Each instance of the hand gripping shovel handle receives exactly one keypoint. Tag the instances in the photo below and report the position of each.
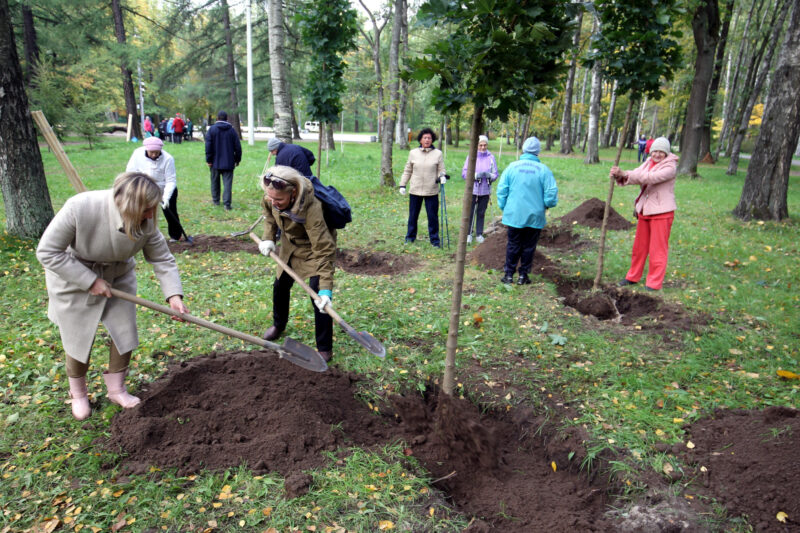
(362, 337)
(293, 351)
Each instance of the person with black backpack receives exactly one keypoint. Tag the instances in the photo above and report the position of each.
(307, 245)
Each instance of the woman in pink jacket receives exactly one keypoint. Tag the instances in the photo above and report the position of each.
(654, 210)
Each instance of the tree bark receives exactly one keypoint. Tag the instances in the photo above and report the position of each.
(22, 180)
(610, 119)
(127, 81)
(402, 121)
(230, 68)
(764, 195)
(566, 117)
(281, 102)
(295, 125)
(576, 135)
(31, 45)
(764, 59)
(448, 381)
(375, 44)
(705, 27)
(711, 100)
(387, 174)
(592, 152)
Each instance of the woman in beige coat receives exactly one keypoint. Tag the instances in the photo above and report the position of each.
(87, 249)
(423, 173)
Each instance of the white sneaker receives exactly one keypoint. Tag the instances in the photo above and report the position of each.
(469, 238)
(479, 238)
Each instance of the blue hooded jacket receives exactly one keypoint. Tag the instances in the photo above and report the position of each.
(527, 188)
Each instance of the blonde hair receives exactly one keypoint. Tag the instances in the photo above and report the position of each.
(135, 193)
(288, 174)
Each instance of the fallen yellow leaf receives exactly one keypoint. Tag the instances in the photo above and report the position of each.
(384, 525)
(677, 420)
(667, 468)
(690, 445)
(782, 517)
(788, 375)
(553, 466)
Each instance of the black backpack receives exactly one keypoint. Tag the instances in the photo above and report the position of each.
(335, 208)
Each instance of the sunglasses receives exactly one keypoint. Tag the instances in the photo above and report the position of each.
(276, 182)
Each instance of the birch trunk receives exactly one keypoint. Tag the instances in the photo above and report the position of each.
(566, 117)
(610, 119)
(281, 102)
(387, 175)
(592, 151)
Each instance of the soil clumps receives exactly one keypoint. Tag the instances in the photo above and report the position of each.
(222, 410)
(352, 261)
(590, 213)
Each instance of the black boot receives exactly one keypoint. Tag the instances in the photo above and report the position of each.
(272, 333)
(508, 279)
(523, 280)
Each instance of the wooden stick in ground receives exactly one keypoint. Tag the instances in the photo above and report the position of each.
(603, 228)
(58, 150)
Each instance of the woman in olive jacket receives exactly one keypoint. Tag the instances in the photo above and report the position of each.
(87, 249)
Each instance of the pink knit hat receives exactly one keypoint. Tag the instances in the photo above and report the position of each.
(153, 143)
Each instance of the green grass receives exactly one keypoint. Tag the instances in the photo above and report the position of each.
(630, 389)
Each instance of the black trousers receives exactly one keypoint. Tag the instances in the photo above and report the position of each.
(432, 210)
(227, 182)
(479, 202)
(521, 247)
(174, 227)
(323, 323)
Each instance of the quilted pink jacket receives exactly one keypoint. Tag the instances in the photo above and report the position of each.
(658, 186)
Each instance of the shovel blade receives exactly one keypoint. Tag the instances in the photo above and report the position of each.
(302, 355)
(369, 342)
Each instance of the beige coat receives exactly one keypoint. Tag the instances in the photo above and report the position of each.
(307, 245)
(658, 186)
(423, 168)
(84, 241)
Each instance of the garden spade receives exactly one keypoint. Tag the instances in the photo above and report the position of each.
(362, 337)
(248, 230)
(291, 350)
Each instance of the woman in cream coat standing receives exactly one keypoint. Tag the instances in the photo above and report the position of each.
(423, 173)
(87, 249)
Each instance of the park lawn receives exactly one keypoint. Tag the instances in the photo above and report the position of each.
(630, 389)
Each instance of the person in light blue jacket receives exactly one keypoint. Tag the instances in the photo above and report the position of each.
(527, 189)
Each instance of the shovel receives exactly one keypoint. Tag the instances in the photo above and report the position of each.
(362, 337)
(248, 230)
(291, 350)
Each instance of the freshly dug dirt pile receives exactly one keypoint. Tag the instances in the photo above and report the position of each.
(222, 410)
(750, 462)
(560, 237)
(611, 303)
(590, 213)
(353, 261)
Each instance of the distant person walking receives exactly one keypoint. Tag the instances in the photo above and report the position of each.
(223, 154)
(642, 142)
(177, 127)
(171, 129)
(526, 190)
(423, 173)
(88, 249)
(485, 174)
(298, 157)
(153, 160)
(654, 209)
(148, 127)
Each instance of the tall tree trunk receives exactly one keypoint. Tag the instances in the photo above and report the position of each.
(566, 117)
(387, 175)
(355, 120)
(127, 81)
(448, 380)
(448, 131)
(402, 121)
(329, 142)
(610, 120)
(457, 128)
(592, 152)
(375, 44)
(230, 68)
(705, 28)
(576, 135)
(281, 102)
(711, 101)
(764, 59)
(764, 195)
(22, 180)
(31, 45)
(295, 125)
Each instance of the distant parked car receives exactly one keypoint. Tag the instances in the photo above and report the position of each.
(311, 126)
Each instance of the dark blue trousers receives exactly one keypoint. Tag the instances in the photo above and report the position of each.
(521, 247)
(431, 208)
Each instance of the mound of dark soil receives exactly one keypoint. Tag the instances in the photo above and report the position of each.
(561, 237)
(223, 410)
(611, 303)
(750, 462)
(353, 261)
(590, 213)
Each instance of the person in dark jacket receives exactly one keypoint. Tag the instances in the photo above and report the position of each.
(292, 155)
(223, 154)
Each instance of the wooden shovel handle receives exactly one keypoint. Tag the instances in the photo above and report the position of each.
(193, 319)
(301, 282)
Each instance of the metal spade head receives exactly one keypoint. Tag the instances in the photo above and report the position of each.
(370, 343)
(302, 355)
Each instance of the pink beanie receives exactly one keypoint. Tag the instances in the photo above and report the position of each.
(153, 144)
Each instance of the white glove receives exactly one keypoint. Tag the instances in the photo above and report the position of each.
(322, 302)
(164, 204)
(265, 247)
(402, 190)
(442, 179)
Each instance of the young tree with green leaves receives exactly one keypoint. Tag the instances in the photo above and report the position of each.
(501, 55)
(329, 29)
(637, 47)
